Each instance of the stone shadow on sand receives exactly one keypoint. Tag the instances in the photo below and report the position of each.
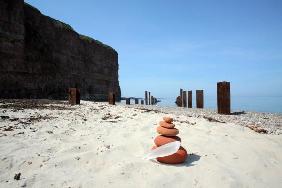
(190, 160)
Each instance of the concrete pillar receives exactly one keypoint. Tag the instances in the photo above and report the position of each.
(146, 97)
(200, 98)
(181, 97)
(184, 99)
(136, 101)
(112, 98)
(128, 101)
(223, 98)
(189, 99)
(74, 96)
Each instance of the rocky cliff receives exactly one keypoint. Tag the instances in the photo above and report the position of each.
(41, 57)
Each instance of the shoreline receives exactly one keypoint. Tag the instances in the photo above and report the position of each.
(264, 122)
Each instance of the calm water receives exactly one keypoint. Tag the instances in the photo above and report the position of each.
(257, 104)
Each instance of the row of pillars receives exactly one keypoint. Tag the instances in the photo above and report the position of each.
(74, 97)
(223, 98)
(186, 98)
(150, 100)
(136, 101)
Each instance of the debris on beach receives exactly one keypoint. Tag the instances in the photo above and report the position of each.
(270, 122)
(10, 128)
(110, 118)
(17, 176)
(257, 129)
(4, 117)
(21, 104)
(186, 122)
(210, 119)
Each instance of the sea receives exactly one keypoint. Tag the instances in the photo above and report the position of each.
(238, 103)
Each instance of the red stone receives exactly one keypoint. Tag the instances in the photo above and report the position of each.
(167, 132)
(166, 125)
(161, 140)
(176, 158)
(168, 119)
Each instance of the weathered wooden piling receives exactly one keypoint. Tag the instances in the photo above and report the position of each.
(152, 100)
(136, 101)
(181, 97)
(189, 99)
(223, 97)
(74, 96)
(149, 98)
(127, 101)
(184, 99)
(200, 98)
(146, 97)
(142, 102)
(112, 98)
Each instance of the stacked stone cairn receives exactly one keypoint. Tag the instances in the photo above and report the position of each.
(168, 133)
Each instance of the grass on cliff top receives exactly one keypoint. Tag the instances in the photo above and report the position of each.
(62, 25)
(57, 23)
(65, 26)
(90, 40)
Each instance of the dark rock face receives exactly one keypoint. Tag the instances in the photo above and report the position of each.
(41, 57)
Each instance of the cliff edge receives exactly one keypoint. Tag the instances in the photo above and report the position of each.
(41, 57)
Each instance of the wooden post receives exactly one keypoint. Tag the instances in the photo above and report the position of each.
(181, 97)
(136, 101)
(189, 99)
(74, 96)
(200, 98)
(149, 98)
(146, 97)
(152, 100)
(184, 98)
(112, 98)
(223, 97)
(142, 102)
(128, 101)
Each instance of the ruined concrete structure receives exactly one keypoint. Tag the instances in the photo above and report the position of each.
(41, 57)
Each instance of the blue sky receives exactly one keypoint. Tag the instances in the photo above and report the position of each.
(167, 44)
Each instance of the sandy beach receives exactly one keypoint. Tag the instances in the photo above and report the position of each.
(98, 145)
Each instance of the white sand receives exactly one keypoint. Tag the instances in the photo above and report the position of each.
(77, 148)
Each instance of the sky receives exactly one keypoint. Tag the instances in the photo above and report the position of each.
(164, 45)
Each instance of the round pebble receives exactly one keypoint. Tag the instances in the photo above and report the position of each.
(167, 132)
(166, 125)
(179, 157)
(161, 140)
(168, 119)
